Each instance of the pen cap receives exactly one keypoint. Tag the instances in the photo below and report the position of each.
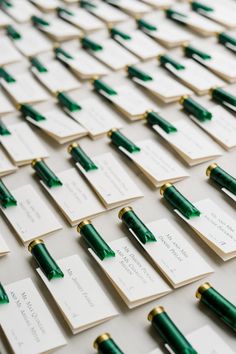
(39, 21)
(225, 38)
(4, 299)
(6, 76)
(87, 4)
(45, 173)
(145, 25)
(220, 95)
(154, 118)
(29, 111)
(166, 59)
(36, 63)
(88, 43)
(115, 32)
(192, 107)
(100, 85)
(221, 177)
(13, 33)
(169, 333)
(6, 198)
(223, 308)
(139, 74)
(45, 261)
(3, 129)
(132, 221)
(178, 201)
(176, 16)
(200, 7)
(191, 52)
(67, 102)
(94, 240)
(81, 157)
(118, 139)
(61, 52)
(104, 344)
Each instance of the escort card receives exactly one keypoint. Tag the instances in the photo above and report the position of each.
(9, 54)
(222, 127)
(164, 87)
(140, 45)
(156, 163)
(30, 218)
(57, 78)
(6, 167)
(83, 19)
(215, 227)
(59, 30)
(78, 295)
(33, 329)
(84, 65)
(190, 143)
(230, 194)
(114, 56)
(45, 5)
(32, 42)
(195, 76)
(110, 181)
(97, 117)
(25, 89)
(21, 150)
(59, 126)
(108, 13)
(75, 198)
(173, 255)
(160, 4)
(4, 249)
(133, 277)
(21, 11)
(4, 20)
(5, 105)
(224, 14)
(132, 7)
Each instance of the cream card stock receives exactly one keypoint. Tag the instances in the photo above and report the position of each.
(59, 30)
(9, 54)
(159, 4)
(110, 181)
(21, 11)
(5, 105)
(83, 19)
(132, 7)
(6, 167)
(4, 20)
(21, 150)
(80, 298)
(133, 277)
(108, 13)
(45, 5)
(221, 13)
(190, 143)
(4, 249)
(156, 163)
(215, 227)
(31, 218)
(75, 198)
(27, 322)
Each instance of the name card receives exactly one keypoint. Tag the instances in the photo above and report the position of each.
(131, 274)
(133, 7)
(83, 19)
(33, 329)
(21, 11)
(6, 167)
(78, 295)
(8, 52)
(4, 20)
(46, 6)
(59, 30)
(5, 104)
(108, 13)
(4, 249)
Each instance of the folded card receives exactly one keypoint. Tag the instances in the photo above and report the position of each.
(33, 329)
(78, 295)
(4, 20)
(45, 5)
(59, 30)
(9, 54)
(133, 277)
(6, 167)
(30, 217)
(21, 11)
(107, 13)
(159, 4)
(4, 249)
(5, 105)
(132, 7)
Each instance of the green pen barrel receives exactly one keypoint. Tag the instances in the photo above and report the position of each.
(104, 344)
(221, 177)
(81, 157)
(119, 139)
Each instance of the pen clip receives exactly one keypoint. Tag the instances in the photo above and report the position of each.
(192, 107)
(60, 53)
(135, 225)
(178, 201)
(94, 240)
(100, 85)
(201, 8)
(6, 198)
(45, 261)
(115, 32)
(79, 155)
(223, 97)
(29, 111)
(36, 63)
(12, 33)
(89, 44)
(134, 72)
(194, 53)
(67, 103)
(177, 16)
(145, 25)
(45, 173)
(153, 118)
(227, 40)
(62, 10)
(4, 299)
(6, 76)
(119, 140)
(166, 60)
(3, 129)
(39, 21)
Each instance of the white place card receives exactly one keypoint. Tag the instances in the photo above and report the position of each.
(59, 126)
(156, 163)
(140, 45)
(9, 54)
(4, 249)
(230, 194)
(108, 13)
(21, 11)
(114, 56)
(4, 20)
(78, 295)
(5, 105)
(190, 143)
(222, 127)
(21, 150)
(59, 30)
(32, 42)
(83, 19)
(164, 87)
(31, 218)
(45, 5)
(197, 78)
(33, 329)
(133, 7)
(215, 227)
(84, 65)
(160, 4)
(173, 255)
(97, 117)
(223, 14)
(133, 277)
(110, 181)
(57, 78)
(25, 89)
(6, 167)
